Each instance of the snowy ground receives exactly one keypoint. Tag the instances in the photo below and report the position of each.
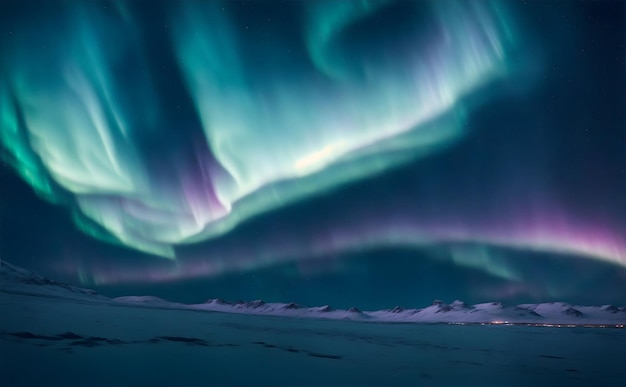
(55, 334)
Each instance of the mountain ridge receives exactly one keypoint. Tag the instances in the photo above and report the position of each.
(14, 279)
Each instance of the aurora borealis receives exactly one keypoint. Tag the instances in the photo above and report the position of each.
(237, 138)
(272, 136)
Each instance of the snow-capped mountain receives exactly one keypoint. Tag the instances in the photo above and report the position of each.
(17, 280)
(280, 309)
(438, 312)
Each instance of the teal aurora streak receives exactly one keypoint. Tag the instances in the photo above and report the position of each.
(79, 104)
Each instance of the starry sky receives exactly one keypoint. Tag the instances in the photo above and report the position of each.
(368, 153)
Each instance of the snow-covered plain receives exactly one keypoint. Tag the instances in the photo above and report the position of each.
(57, 334)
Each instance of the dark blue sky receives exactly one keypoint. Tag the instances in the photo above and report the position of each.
(526, 204)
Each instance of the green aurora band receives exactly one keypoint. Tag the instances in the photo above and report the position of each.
(284, 117)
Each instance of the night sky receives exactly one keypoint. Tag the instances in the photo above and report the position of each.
(366, 153)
